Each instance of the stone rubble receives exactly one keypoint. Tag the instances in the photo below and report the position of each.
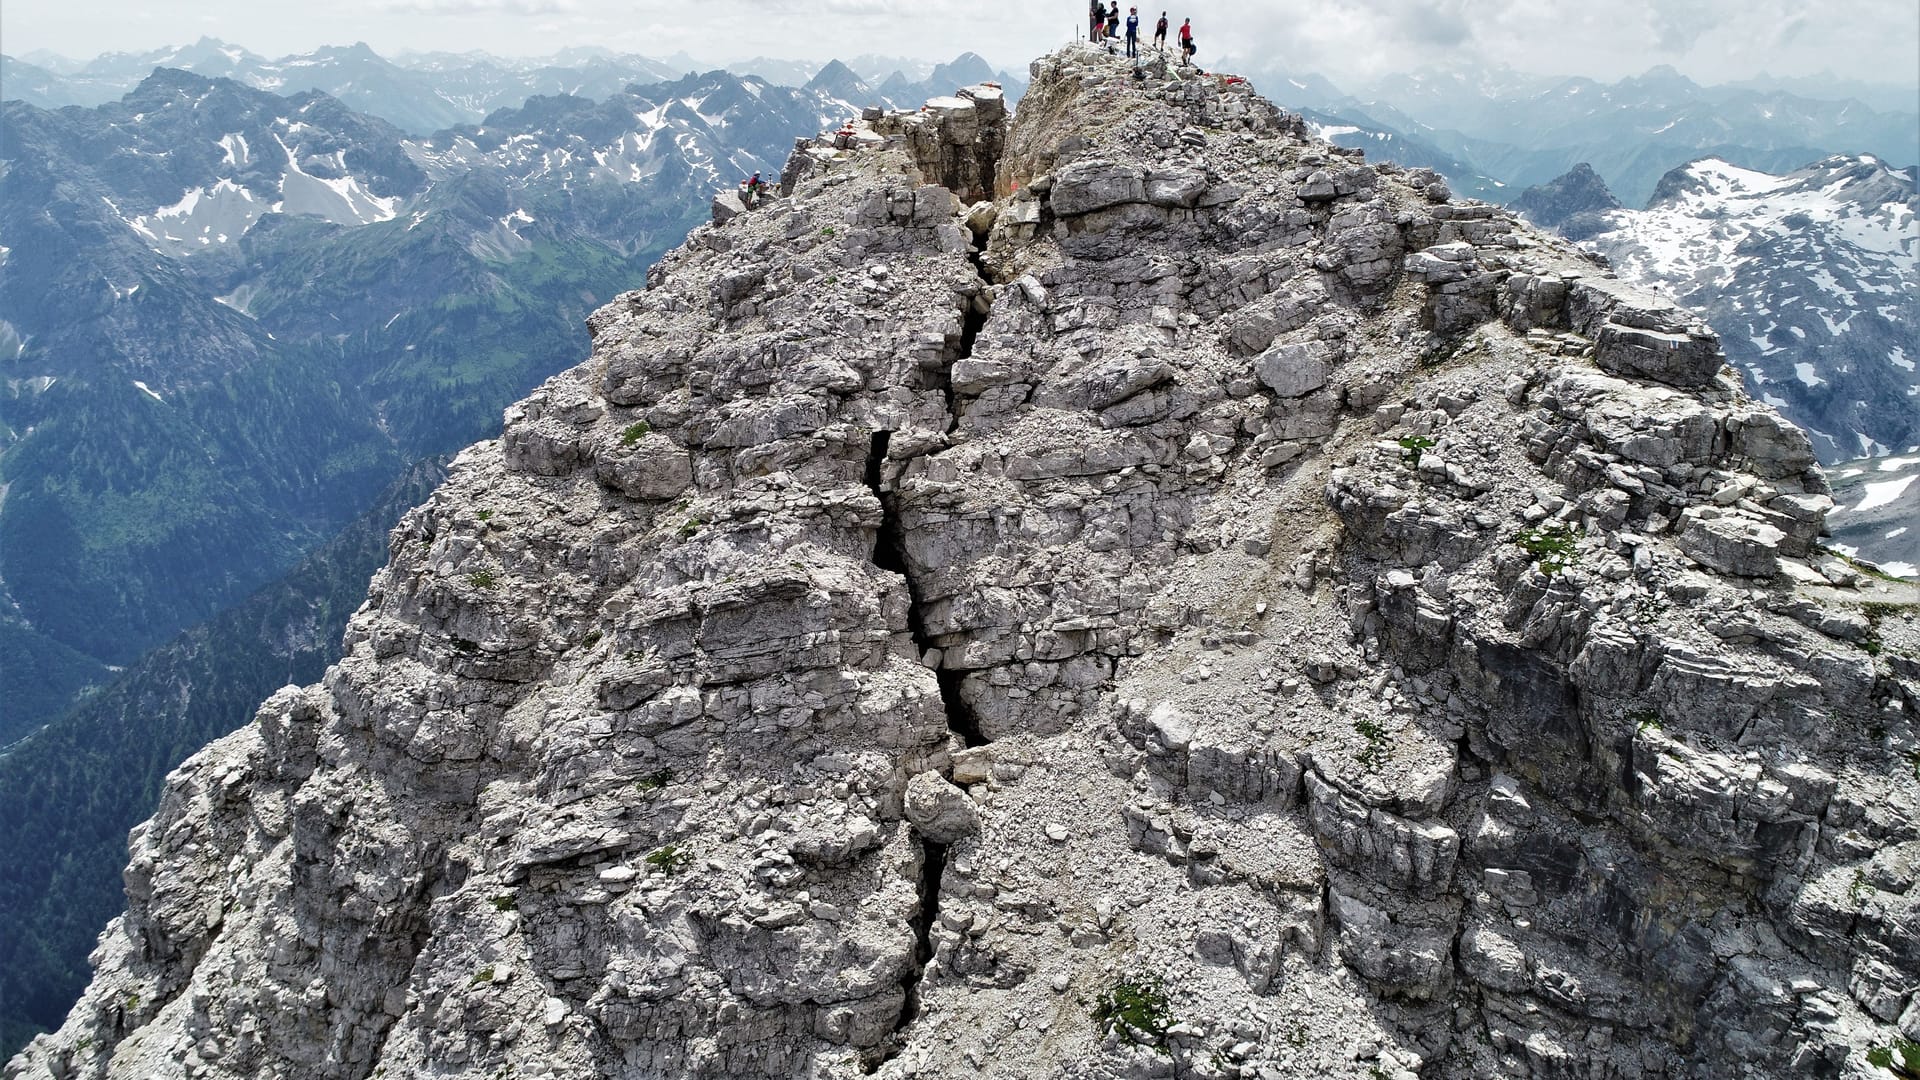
(1130, 540)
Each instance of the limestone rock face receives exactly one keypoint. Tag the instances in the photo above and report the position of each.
(1130, 540)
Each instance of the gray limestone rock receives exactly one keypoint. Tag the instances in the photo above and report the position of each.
(1732, 543)
(942, 812)
(1086, 186)
(1295, 370)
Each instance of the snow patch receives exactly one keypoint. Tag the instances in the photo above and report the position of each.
(12, 344)
(238, 154)
(202, 216)
(148, 390)
(342, 201)
(1883, 493)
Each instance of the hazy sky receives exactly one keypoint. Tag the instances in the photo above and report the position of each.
(1710, 40)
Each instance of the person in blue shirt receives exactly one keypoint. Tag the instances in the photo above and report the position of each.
(1133, 31)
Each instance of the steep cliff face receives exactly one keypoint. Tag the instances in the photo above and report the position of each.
(1207, 608)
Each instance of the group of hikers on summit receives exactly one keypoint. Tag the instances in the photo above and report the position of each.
(1103, 25)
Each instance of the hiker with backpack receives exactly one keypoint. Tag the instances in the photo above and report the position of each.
(1160, 34)
(1133, 32)
(1186, 41)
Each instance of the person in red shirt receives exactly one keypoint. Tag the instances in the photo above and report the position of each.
(1186, 40)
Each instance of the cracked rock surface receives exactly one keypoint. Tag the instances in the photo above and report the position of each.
(1132, 545)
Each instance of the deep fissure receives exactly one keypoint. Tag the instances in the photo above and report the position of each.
(890, 553)
(972, 320)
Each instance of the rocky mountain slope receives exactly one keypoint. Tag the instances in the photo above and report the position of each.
(1808, 277)
(70, 793)
(1130, 590)
(1575, 205)
(230, 318)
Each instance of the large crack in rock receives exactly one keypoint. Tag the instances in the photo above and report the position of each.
(1132, 544)
(890, 553)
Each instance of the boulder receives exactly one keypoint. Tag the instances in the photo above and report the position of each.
(726, 206)
(940, 811)
(1731, 542)
(1296, 370)
(1086, 186)
(1678, 358)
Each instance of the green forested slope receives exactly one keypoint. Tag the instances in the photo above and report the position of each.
(74, 789)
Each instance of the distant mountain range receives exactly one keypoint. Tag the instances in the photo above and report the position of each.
(1809, 277)
(419, 95)
(1520, 130)
(899, 91)
(422, 93)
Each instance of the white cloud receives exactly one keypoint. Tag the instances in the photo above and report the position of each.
(485, 7)
(1710, 40)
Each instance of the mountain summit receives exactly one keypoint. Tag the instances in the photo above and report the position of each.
(1124, 590)
(1572, 205)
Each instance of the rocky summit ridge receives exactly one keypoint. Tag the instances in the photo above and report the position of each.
(1123, 590)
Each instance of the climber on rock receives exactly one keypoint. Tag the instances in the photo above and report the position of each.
(755, 189)
(1160, 34)
(1186, 41)
(1096, 20)
(1133, 32)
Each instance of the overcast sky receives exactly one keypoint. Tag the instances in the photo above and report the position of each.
(1710, 40)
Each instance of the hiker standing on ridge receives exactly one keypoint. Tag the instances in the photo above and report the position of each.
(1113, 21)
(1186, 41)
(1096, 18)
(1133, 32)
(1160, 34)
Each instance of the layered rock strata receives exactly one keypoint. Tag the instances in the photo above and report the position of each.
(1204, 565)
